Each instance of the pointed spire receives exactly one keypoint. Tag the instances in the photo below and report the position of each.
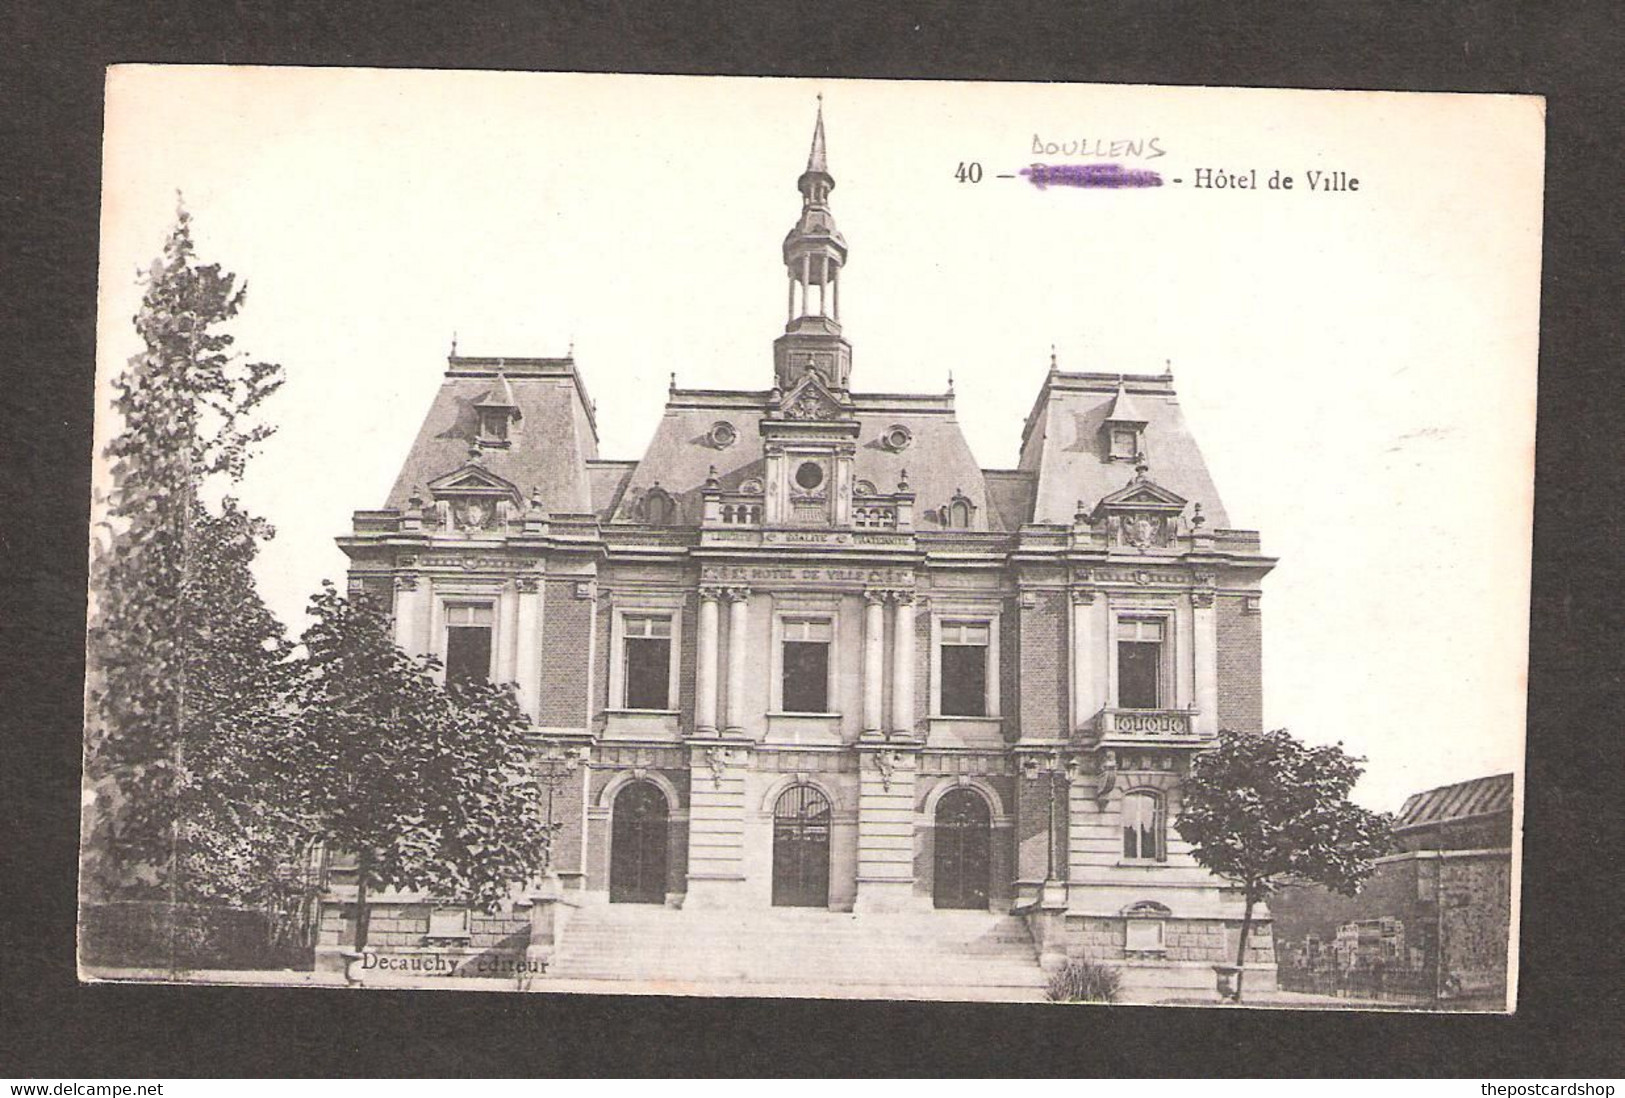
(816, 182)
(815, 157)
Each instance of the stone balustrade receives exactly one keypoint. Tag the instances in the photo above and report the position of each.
(1145, 727)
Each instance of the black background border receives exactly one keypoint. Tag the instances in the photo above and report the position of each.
(1569, 1021)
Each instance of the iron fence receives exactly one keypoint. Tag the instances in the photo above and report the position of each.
(1376, 982)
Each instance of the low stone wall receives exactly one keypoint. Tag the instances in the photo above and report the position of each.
(1212, 941)
(1184, 966)
(398, 942)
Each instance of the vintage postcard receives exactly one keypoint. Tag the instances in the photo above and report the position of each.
(819, 538)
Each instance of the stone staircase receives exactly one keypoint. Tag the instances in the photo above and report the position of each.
(803, 952)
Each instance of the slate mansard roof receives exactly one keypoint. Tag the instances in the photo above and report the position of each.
(936, 457)
(553, 447)
(1064, 445)
(550, 446)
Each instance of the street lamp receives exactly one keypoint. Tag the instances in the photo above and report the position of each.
(556, 764)
(1057, 764)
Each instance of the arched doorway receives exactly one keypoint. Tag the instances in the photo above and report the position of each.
(962, 862)
(801, 819)
(638, 845)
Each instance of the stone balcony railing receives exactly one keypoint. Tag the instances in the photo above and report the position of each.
(1145, 728)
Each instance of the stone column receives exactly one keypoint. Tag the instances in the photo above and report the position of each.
(1205, 649)
(705, 687)
(408, 608)
(1083, 656)
(507, 635)
(874, 662)
(902, 713)
(529, 626)
(738, 608)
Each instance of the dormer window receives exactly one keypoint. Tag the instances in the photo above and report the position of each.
(958, 512)
(1124, 427)
(1125, 442)
(659, 509)
(493, 425)
(497, 412)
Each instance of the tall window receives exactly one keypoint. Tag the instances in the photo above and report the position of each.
(806, 665)
(1139, 664)
(646, 647)
(964, 668)
(1143, 828)
(468, 642)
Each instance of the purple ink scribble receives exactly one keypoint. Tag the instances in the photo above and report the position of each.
(1111, 176)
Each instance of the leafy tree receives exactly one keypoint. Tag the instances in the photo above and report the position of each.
(181, 650)
(237, 827)
(432, 789)
(1264, 807)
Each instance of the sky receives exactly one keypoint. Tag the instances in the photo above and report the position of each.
(1358, 366)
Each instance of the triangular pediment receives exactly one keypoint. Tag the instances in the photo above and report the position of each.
(812, 400)
(473, 480)
(1142, 494)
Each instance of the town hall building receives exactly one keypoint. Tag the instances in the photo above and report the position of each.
(805, 652)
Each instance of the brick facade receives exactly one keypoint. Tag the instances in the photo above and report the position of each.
(1042, 692)
(566, 639)
(1241, 665)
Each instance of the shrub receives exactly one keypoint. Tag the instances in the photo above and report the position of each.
(140, 934)
(1084, 982)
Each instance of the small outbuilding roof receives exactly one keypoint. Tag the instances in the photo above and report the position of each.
(1478, 797)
